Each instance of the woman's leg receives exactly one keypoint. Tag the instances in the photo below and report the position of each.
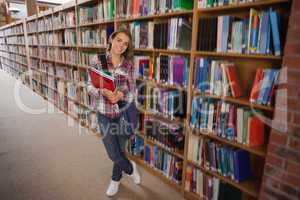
(110, 130)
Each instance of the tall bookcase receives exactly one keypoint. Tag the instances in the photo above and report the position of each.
(57, 45)
(13, 50)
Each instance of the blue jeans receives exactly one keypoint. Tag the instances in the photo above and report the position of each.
(114, 142)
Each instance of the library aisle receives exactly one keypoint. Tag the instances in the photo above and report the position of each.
(39, 163)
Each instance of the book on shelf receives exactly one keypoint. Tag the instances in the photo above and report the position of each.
(228, 121)
(169, 135)
(145, 8)
(263, 86)
(227, 161)
(136, 146)
(216, 77)
(171, 166)
(172, 34)
(209, 187)
(169, 103)
(96, 13)
(257, 33)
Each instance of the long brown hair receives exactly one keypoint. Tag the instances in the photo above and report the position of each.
(128, 54)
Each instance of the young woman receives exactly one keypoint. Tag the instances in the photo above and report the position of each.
(119, 63)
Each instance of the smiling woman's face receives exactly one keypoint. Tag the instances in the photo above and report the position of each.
(119, 43)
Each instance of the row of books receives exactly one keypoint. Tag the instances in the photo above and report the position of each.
(172, 70)
(45, 52)
(15, 71)
(257, 34)
(13, 30)
(228, 121)
(16, 49)
(34, 63)
(264, 85)
(66, 55)
(70, 37)
(172, 34)
(216, 3)
(32, 40)
(47, 67)
(232, 163)
(104, 10)
(216, 77)
(93, 37)
(208, 187)
(86, 58)
(33, 51)
(136, 8)
(78, 94)
(15, 40)
(171, 166)
(15, 57)
(142, 34)
(136, 146)
(66, 19)
(13, 67)
(141, 94)
(31, 26)
(171, 136)
(44, 24)
(170, 103)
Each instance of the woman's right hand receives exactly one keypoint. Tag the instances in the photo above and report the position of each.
(113, 97)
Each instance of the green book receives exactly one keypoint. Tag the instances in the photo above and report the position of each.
(247, 114)
(186, 4)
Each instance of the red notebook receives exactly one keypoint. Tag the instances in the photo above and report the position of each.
(101, 80)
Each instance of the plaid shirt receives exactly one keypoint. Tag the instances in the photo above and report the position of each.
(124, 83)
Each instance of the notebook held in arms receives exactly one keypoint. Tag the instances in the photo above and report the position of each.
(100, 76)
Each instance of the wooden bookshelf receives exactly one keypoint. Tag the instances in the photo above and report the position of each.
(242, 6)
(250, 189)
(241, 101)
(237, 55)
(155, 172)
(177, 153)
(259, 151)
(156, 16)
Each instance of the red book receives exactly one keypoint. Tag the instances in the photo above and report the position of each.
(256, 85)
(101, 80)
(256, 131)
(233, 81)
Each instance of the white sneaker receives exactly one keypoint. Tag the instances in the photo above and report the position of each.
(135, 174)
(112, 188)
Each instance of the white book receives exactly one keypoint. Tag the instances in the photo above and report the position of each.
(239, 124)
(225, 88)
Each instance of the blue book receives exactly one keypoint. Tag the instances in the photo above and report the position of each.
(203, 74)
(245, 35)
(274, 83)
(186, 72)
(272, 77)
(197, 74)
(275, 32)
(231, 163)
(154, 154)
(109, 31)
(194, 112)
(225, 33)
(147, 154)
(242, 169)
(264, 84)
